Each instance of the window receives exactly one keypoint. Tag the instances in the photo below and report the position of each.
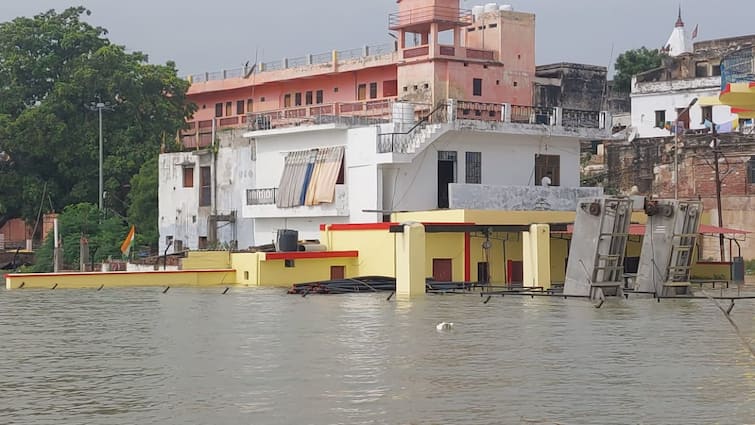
(474, 168)
(362, 92)
(240, 107)
(373, 90)
(203, 243)
(477, 87)
(249, 104)
(218, 110)
(341, 179)
(660, 119)
(205, 190)
(188, 176)
(707, 114)
(751, 170)
(701, 69)
(319, 97)
(716, 70)
(228, 109)
(262, 99)
(547, 166)
(308, 98)
(287, 100)
(297, 99)
(390, 88)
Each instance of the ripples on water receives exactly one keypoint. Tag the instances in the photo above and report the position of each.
(258, 356)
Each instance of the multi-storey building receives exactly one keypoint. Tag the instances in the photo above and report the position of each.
(661, 97)
(425, 122)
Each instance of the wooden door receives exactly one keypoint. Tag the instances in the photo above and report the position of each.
(337, 272)
(442, 270)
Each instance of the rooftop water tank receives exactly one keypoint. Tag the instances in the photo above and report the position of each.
(403, 113)
(287, 240)
(477, 11)
(507, 7)
(491, 7)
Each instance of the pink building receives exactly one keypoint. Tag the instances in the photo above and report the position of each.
(484, 56)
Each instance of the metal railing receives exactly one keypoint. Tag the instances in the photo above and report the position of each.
(399, 142)
(738, 67)
(422, 15)
(347, 113)
(267, 196)
(342, 56)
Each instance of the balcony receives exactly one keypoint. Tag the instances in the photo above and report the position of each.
(500, 117)
(261, 203)
(738, 67)
(339, 56)
(447, 17)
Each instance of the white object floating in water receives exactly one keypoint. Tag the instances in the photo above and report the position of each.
(444, 326)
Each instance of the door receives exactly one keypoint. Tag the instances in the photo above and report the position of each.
(515, 273)
(483, 272)
(337, 272)
(446, 175)
(442, 270)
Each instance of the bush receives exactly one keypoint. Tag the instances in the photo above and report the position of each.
(83, 221)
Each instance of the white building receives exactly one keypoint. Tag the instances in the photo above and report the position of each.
(660, 97)
(341, 170)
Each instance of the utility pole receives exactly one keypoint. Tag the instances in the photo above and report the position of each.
(99, 106)
(676, 146)
(716, 155)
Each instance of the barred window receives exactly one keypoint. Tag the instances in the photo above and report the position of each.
(751, 170)
(474, 168)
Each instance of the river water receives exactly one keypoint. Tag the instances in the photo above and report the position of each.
(258, 356)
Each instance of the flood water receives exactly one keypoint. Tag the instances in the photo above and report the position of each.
(258, 356)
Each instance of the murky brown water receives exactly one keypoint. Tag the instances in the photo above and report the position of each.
(257, 356)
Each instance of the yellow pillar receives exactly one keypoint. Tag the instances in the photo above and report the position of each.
(410, 261)
(537, 256)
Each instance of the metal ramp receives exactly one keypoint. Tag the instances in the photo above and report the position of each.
(668, 248)
(596, 255)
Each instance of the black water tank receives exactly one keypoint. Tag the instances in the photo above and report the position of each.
(287, 240)
(738, 270)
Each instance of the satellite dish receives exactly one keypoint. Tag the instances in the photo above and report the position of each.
(633, 133)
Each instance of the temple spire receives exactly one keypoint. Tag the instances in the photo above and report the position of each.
(679, 22)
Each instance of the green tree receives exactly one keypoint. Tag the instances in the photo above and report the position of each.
(52, 67)
(633, 62)
(105, 235)
(143, 208)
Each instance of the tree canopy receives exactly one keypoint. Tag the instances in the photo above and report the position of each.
(52, 67)
(633, 62)
(84, 220)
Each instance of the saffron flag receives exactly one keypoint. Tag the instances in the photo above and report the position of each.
(694, 32)
(126, 245)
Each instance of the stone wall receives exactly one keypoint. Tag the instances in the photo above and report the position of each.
(518, 198)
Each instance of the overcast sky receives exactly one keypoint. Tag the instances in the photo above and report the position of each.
(216, 34)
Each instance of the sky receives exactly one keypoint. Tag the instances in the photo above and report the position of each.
(202, 36)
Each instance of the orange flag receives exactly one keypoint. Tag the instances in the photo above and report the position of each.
(126, 245)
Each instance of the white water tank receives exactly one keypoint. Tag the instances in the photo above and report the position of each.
(491, 7)
(507, 8)
(477, 11)
(403, 113)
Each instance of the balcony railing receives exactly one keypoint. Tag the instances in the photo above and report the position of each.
(341, 56)
(424, 15)
(267, 196)
(738, 67)
(348, 113)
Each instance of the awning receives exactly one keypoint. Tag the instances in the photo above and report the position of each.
(309, 177)
(707, 229)
(738, 94)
